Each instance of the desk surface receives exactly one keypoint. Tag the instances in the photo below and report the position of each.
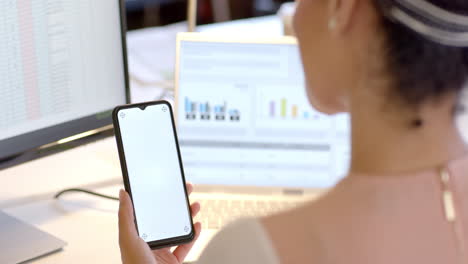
(87, 223)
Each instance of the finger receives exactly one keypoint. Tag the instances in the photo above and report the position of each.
(127, 229)
(161, 251)
(189, 187)
(195, 208)
(182, 251)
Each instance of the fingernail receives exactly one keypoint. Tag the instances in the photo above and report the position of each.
(121, 194)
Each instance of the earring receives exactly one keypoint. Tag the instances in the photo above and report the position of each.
(332, 24)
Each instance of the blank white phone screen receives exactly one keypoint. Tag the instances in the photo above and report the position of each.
(154, 172)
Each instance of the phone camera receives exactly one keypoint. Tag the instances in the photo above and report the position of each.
(122, 115)
(164, 109)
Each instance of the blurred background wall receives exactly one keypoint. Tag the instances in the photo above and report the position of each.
(148, 13)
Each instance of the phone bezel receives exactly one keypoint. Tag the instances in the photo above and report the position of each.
(123, 164)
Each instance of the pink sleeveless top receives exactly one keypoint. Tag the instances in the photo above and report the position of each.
(415, 218)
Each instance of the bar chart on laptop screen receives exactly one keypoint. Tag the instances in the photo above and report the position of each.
(208, 111)
(287, 108)
(244, 118)
(205, 110)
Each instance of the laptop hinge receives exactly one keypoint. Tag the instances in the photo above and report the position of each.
(293, 192)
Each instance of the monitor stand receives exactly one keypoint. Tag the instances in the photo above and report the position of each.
(20, 242)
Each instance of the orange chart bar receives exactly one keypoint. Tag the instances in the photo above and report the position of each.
(294, 111)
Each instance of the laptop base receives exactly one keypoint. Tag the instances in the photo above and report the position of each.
(21, 242)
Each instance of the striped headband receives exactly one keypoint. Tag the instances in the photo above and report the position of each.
(428, 20)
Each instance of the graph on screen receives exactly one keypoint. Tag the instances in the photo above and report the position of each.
(206, 111)
(287, 107)
(284, 109)
(279, 138)
(216, 107)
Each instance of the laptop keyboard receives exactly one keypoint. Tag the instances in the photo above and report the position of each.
(217, 213)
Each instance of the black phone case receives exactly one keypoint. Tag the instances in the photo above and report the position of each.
(123, 164)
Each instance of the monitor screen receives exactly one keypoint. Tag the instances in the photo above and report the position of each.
(244, 118)
(62, 70)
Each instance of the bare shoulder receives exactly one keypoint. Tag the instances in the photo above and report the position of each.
(315, 230)
(243, 241)
(291, 233)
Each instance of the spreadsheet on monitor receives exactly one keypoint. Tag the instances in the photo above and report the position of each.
(55, 56)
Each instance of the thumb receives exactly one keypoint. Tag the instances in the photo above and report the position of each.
(127, 229)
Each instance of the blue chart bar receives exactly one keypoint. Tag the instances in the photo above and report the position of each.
(234, 115)
(190, 109)
(204, 111)
(188, 106)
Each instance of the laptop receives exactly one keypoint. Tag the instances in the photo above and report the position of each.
(250, 141)
(22, 242)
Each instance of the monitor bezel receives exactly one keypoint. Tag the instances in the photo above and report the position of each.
(29, 146)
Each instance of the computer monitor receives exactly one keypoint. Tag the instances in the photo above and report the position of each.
(62, 69)
(244, 118)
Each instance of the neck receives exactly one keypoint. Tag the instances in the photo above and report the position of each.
(383, 142)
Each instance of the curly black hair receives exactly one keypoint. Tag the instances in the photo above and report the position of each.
(424, 70)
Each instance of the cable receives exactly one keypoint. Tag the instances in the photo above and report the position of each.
(85, 191)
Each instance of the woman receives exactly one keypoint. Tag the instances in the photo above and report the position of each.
(398, 67)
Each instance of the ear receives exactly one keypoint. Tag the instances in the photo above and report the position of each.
(342, 11)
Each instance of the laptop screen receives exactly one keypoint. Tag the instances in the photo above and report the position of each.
(244, 118)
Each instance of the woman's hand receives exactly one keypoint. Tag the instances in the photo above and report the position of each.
(134, 250)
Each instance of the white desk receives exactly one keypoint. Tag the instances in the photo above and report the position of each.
(87, 223)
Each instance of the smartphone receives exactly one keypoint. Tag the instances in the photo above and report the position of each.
(153, 173)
